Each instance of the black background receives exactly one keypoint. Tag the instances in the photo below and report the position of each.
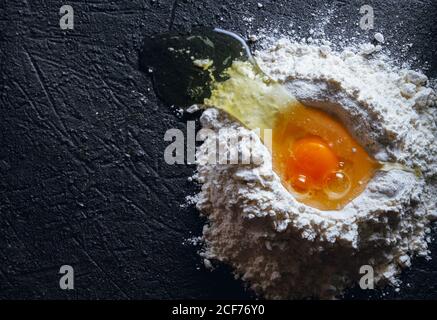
(82, 174)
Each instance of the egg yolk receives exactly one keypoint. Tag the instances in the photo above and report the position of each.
(312, 158)
(319, 162)
(317, 159)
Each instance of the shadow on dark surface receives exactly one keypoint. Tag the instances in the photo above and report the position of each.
(170, 60)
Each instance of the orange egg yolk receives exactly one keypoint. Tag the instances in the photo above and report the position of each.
(318, 161)
(311, 158)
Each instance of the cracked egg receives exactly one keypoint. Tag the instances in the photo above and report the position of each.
(319, 162)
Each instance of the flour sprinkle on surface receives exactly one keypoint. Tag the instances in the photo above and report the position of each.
(286, 249)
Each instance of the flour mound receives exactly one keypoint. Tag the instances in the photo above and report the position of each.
(285, 249)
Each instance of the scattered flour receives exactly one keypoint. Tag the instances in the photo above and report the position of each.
(285, 249)
(379, 37)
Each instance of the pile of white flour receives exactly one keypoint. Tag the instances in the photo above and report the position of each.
(285, 249)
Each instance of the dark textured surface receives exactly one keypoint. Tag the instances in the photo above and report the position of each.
(82, 175)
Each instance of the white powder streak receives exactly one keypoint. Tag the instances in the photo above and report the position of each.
(286, 249)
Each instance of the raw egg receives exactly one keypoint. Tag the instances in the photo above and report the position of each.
(318, 160)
